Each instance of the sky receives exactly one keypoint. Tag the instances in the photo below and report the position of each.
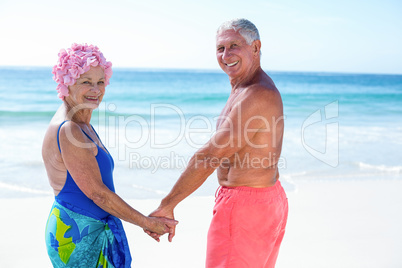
(347, 36)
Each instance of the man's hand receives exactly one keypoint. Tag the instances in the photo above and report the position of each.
(159, 226)
(162, 213)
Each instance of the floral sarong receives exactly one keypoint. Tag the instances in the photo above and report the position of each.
(75, 239)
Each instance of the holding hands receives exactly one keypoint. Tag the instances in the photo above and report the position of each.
(156, 226)
(164, 216)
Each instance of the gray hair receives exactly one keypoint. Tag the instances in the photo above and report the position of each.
(245, 28)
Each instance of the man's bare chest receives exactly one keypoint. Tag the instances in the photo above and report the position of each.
(225, 113)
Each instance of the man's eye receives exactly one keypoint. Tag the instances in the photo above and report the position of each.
(220, 49)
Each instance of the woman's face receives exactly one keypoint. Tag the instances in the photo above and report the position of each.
(88, 90)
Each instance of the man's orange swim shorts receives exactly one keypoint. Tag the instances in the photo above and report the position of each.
(247, 227)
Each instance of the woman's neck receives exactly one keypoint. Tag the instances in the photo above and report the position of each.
(78, 114)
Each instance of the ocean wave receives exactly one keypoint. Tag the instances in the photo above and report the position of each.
(380, 168)
(21, 189)
(27, 113)
(350, 172)
(287, 182)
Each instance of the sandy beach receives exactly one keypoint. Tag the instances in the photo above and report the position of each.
(337, 67)
(331, 224)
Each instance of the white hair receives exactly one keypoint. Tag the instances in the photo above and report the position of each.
(245, 28)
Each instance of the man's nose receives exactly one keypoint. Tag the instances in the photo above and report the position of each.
(226, 54)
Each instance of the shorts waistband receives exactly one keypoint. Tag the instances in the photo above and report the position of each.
(247, 191)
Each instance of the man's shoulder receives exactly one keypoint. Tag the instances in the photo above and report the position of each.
(262, 92)
(262, 84)
(261, 95)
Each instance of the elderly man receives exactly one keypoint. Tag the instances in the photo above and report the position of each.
(250, 213)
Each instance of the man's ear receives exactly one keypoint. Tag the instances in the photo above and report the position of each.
(256, 47)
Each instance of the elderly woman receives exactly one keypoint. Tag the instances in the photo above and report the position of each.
(83, 228)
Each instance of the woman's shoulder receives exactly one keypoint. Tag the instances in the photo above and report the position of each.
(59, 130)
(71, 134)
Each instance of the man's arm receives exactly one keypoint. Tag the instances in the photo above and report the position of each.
(230, 138)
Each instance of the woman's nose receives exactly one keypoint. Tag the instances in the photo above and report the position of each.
(95, 88)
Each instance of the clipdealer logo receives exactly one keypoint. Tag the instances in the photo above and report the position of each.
(319, 135)
(327, 150)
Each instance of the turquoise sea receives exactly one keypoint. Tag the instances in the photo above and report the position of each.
(337, 126)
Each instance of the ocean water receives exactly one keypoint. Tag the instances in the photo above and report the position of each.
(337, 127)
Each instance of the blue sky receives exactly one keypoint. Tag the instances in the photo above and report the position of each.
(310, 35)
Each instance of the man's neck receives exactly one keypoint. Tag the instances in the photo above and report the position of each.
(248, 79)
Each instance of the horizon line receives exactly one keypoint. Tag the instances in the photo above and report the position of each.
(214, 70)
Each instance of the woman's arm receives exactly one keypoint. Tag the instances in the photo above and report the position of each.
(79, 159)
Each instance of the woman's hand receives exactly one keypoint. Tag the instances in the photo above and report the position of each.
(162, 212)
(160, 226)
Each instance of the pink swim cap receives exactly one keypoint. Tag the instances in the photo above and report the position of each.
(75, 61)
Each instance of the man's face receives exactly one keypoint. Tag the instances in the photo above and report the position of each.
(234, 55)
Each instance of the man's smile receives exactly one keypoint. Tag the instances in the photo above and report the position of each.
(232, 64)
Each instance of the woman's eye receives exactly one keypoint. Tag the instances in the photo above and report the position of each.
(86, 82)
(101, 82)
